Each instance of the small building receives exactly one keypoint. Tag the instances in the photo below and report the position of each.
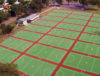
(1, 9)
(28, 18)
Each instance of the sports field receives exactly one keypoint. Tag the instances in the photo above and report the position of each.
(63, 43)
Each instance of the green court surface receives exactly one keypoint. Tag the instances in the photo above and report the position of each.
(96, 19)
(62, 11)
(48, 23)
(28, 35)
(82, 13)
(83, 62)
(92, 30)
(90, 38)
(7, 55)
(80, 17)
(81, 22)
(56, 46)
(58, 14)
(70, 26)
(64, 33)
(37, 28)
(50, 18)
(94, 24)
(87, 48)
(58, 42)
(64, 72)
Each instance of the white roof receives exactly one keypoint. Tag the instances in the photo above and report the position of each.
(1, 8)
(17, 2)
(31, 16)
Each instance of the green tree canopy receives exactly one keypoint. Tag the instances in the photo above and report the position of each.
(36, 5)
(3, 15)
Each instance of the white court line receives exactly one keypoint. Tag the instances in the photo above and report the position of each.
(92, 65)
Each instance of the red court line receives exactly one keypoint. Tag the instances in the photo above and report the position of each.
(40, 33)
(20, 73)
(78, 19)
(57, 68)
(81, 71)
(55, 28)
(48, 20)
(10, 49)
(77, 14)
(56, 16)
(41, 25)
(63, 29)
(33, 31)
(77, 10)
(88, 42)
(92, 33)
(93, 27)
(52, 47)
(81, 15)
(38, 40)
(95, 21)
(41, 59)
(66, 29)
(85, 54)
(69, 18)
(69, 38)
(60, 12)
(74, 24)
(73, 14)
(60, 37)
(22, 39)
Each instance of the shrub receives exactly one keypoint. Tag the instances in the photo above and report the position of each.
(36, 5)
(8, 70)
(23, 15)
(11, 1)
(3, 16)
(1, 1)
(6, 28)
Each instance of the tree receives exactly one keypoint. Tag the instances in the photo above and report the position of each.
(11, 1)
(36, 5)
(8, 70)
(46, 2)
(83, 2)
(59, 1)
(3, 16)
(94, 2)
(18, 8)
(1, 1)
(68, 1)
(6, 28)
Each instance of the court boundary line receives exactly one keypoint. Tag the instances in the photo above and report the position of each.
(10, 49)
(64, 58)
(55, 63)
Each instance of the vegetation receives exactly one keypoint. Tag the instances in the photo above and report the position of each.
(8, 70)
(1, 1)
(36, 5)
(59, 1)
(11, 1)
(3, 16)
(6, 28)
